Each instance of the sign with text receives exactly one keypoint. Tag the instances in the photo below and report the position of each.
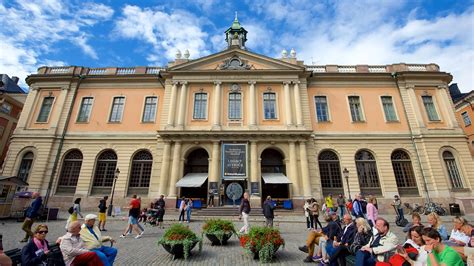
(234, 160)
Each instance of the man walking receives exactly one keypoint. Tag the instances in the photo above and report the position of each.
(31, 214)
(268, 208)
(244, 211)
(221, 195)
(102, 216)
(133, 214)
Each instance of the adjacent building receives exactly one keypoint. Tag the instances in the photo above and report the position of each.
(271, 126)
(464, 108)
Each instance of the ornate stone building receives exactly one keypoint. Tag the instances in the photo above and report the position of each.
(250, 122)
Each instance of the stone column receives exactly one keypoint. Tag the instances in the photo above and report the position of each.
(293, 173)
(216, 123)
(299, 111)
(165, 167)
(416, 107)
(253, 105)
(214, 176)
(447, 106)
(253, 161)
(288, 115)
(305, 170)
(175, 169)
(172, 110)
(182, 104)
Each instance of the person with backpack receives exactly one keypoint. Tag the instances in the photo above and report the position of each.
(357, 211)
(73, 212)
(31, 214)
(268, 208)
(102, 217)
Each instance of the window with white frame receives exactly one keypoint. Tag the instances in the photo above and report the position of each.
(430, 108)
(85, 109)
(269, 105)
(322, 113)
(466, 119)
(45, 109)
(25, 166)
(389, 109)
(149, 112)
(117, 109)
(200, 105)
(452, 168)
(235, 105)
(356, 109)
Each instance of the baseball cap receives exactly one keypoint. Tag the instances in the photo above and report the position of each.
(90, 217)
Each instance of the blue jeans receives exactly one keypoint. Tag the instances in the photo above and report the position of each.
(188, 215)
(139, 226)
(106, 255)
(364, 258)
(400, 213)
(341, 209)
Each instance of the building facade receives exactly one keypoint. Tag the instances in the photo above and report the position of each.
(246, 121)
(464, 108)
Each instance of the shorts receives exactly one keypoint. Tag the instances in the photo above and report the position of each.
(102, 217)
(132, 220)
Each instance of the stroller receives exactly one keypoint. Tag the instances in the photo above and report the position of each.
(399, 221)
(152, 217)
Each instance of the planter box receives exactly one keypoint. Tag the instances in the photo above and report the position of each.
(215, 240)
(178, 250)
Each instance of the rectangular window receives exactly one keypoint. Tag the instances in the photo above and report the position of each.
(6, 108)
(200, 106)
(149, 113)
(85, 110)
(45, 109)
(117, 109)
(322, 113)
(466, 119)
(269, 105)
(389, 109)
(235, 105)
(430, 108)
(356, 109)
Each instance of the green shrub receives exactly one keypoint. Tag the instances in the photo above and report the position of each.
(180, 234)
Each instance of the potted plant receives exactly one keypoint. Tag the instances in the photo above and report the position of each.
(218, 231)
(262, 242)
(179, 240)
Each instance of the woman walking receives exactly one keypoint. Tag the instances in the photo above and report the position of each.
(314, 208)
(372, 212)
(308, 215)
(182, 209)
(74, 211)
(189, 207)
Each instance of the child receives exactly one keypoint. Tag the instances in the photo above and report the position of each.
(142, 216)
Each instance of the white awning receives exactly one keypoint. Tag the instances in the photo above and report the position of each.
(192, 180)
(275, 178)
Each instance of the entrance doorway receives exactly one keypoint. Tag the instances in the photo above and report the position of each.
(272, 162)
(197, 162)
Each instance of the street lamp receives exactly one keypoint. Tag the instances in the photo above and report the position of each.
(346, 176)
(111, 205)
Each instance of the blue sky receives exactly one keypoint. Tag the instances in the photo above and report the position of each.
(147, 33)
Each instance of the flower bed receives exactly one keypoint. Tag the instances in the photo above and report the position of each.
(262, 242)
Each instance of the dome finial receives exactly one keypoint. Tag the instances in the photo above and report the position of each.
(236, 16)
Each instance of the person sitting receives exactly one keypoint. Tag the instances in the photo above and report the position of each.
(93, 239)
(362, 237)
(415, 221)
(458, 237)
(74, 249)
(467, 252)
(340, 247)
(439, 253)
(412, 252)
(378, 246)
(37, 251)
(435, 222)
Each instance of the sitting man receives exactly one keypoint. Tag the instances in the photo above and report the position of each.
(339, 249)
(378, 246)
(74, 249)
(93, 239)
(320, 238)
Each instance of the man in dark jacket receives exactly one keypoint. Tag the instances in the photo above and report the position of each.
(339, 249)
(268, 208)
(31, 214)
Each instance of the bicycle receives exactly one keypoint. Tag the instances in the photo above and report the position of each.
(436, 208)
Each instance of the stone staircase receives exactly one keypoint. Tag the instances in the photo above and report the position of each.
(225, 211)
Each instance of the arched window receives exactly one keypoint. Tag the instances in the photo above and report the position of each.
(404, 175)
(104, 172)
(330, 172)
(70, 172)
(367, 173)
(25, 166)
(452, 168)
(141, 170)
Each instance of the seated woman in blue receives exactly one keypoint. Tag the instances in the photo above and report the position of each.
(37, 251)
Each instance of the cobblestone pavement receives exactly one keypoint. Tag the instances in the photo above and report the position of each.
(145, 251)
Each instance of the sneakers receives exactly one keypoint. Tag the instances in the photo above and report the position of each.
(308, 259)
(23, 240)
(123, 236)
(142, 232)
(138, 236)
(304, 249)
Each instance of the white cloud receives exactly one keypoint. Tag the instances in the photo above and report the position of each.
(165, 32)
(30, 29)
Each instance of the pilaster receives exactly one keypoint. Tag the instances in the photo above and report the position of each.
(288, 113)
(174, 169)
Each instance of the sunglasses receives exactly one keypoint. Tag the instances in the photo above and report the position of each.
(42, 232)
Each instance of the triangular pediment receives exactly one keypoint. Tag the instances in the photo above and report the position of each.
(235, 59)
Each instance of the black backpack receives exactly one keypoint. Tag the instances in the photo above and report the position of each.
(70, 210)
(363, 206)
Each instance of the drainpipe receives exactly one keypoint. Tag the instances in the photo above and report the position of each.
(61, 140)
(412, 137)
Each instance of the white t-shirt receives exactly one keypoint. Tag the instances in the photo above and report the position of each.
(422, 258)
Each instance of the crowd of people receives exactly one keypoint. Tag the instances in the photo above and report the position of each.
(360, 232)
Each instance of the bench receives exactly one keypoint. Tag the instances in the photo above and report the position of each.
(15, 255)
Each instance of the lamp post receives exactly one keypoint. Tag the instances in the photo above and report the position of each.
(346, 176)
(111, 205)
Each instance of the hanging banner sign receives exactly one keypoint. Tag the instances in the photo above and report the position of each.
(234, 160)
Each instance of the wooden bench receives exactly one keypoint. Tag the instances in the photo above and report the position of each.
(15, 255)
